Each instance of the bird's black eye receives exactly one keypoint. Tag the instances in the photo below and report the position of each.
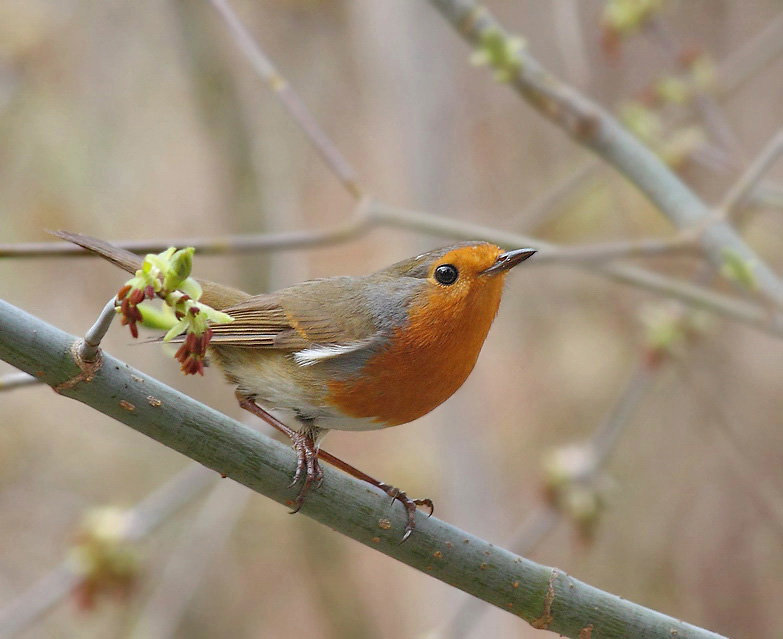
(446, 274)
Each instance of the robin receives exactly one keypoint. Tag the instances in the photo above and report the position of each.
(353, 353)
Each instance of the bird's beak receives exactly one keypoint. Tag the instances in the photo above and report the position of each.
(508, 260)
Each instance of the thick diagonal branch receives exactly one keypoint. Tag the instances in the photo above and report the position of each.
(542, 596)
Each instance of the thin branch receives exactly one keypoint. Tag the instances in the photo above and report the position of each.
(371, 213)
(168, 499)
(767, 195)
(754, 55)
(150, 513)
(762, 492)
(265, 70)
(25, 609)
(595, 128)
(733, 71)
(89, 348)
(605, 251)
(711, 114)
(726, 306)
(570, 40)
(539, 523)
(743, 188)
(227, 244)
(535, 213)
(12, 381)
(545, 597)
(189, 560)
(604, 440)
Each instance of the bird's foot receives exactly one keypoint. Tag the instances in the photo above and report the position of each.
(307, 467)
(410, 505)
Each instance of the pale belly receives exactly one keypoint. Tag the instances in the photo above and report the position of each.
(276, 382)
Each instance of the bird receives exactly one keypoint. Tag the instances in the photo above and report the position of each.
(352, 353)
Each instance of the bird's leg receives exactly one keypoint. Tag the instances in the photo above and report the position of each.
(307, 455)
(395, 493)
(306, 450)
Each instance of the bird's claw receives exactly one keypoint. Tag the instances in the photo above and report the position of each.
(307, 465)
(410, 507)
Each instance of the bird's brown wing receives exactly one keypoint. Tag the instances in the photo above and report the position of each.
(320, 313)
(259, 322)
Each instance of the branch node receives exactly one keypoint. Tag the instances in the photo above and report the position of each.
(88, 369)
(469, 22)
(542, 623)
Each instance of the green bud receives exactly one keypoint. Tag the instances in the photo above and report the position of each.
(665, 331)
(642, 122)
(157, 317)
(673, 89)
(214, 316)
(178, 268)
(703, 73)
(627, 16)
(499, 52)
(191, 288)
(739, 270)
(180, 327)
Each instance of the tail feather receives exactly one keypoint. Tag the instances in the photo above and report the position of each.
(215, 295)
(119, 257)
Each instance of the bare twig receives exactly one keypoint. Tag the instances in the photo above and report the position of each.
(374, 213)
(228, 244)
(535, 213)
(37, 600)
(570, 40)
(92, 338)
(767, 195)
(150, 513)
(592, 126)
(753, 56)
(185, 567)
(732, 72)
(12, 381)
(604, 251)
(711, 114)
(762, 492)
(742, 189)
(543, 519)
(264, 68)
(730, 307)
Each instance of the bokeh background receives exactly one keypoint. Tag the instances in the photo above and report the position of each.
(141, 120)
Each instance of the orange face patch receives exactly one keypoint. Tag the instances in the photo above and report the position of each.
(429, 358)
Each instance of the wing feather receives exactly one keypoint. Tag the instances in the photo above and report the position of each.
(316, 321)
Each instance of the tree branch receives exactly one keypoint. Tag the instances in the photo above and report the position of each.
(264, 68)
(699, 296)
(30, 604)
(371, 213)
(227, 244)
(15, 380)
(545, 597)
(592, 126)
(744, 186)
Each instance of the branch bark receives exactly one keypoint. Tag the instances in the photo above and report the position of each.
(545, 597)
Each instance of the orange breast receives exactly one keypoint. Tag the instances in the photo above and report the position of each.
(426, 360)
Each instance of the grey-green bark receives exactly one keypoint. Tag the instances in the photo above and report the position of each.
(543, 596)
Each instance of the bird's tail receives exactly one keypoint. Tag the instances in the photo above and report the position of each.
(215, 295)
(119, 257)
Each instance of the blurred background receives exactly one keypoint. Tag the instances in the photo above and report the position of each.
(141, 120)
